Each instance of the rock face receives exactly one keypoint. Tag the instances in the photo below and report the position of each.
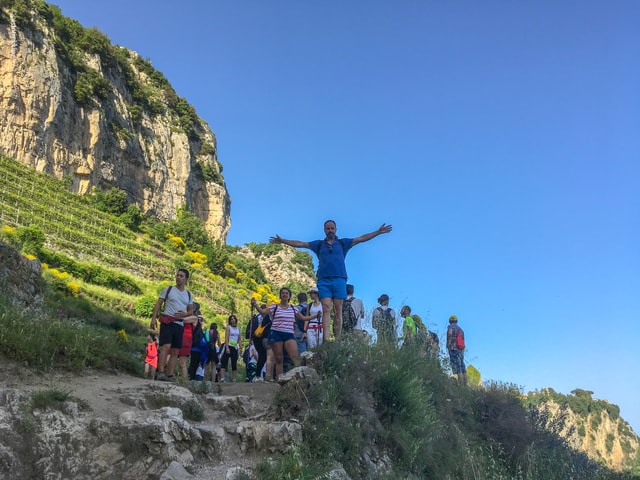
(603, 438)
(281, 268)
(20, 278)
(103, 117)
(130, 428)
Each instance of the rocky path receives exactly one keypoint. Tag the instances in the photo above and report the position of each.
(137, 428)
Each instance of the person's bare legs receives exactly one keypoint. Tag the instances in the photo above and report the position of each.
(291, 347)
(270, 361)
(276, 348)
(337, 320)
(173, 360)
(182, 362)
(326, 317)
(162, 359)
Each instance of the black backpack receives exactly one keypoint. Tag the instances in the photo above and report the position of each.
(246, 355)
(198, 335)
(349, 319)
(251, 327)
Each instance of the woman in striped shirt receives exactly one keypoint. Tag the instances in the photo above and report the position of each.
(283, 316)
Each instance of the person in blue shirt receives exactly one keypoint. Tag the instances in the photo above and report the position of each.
(332, 271)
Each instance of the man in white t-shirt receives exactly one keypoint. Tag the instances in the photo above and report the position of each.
(178, 304)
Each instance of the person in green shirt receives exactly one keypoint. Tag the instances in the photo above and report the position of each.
(409, 330)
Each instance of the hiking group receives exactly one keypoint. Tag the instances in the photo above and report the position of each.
(277, 334)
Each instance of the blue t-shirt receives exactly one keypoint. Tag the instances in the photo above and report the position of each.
(331, 257)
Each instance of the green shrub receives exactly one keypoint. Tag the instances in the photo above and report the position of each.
(144, 306)
(210, 172)
(132, 218)
(45, 399)
(267, 249)
(192, 410)
(90, 83)
(53, 399)
(112, 201)
(207, 149)
(31, 239)
(217, 256)
(136, 113)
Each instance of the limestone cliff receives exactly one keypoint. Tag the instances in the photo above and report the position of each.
(589, 425)
(79, 108)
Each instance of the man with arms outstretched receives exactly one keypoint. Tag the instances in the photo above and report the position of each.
(332, 272)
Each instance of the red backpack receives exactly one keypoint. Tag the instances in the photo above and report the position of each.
(460, 339)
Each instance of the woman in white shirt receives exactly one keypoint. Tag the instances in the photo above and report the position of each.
(232, 349)
(314, 328)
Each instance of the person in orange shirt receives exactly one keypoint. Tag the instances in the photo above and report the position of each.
(151, 360)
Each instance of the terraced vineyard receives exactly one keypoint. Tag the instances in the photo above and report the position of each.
(74, 227)
(72, 224)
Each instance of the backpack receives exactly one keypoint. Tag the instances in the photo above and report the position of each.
(460, 339)
(246, 357)
(251, 326)
(198, 335)
(386, 320)
(349, 319)
(421, 328)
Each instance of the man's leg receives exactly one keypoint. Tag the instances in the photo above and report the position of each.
(162, 359)
(337, 320)
(326, 317)
(172, 361)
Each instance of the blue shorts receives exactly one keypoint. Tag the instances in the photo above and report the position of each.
(334, 287)
(456, 357)
(276, 336)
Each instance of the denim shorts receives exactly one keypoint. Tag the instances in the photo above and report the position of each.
(332, 288)
(276, 336)
(456, 357)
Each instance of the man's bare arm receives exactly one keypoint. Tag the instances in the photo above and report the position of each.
(384, 228)
(291, 243)
(154, 315)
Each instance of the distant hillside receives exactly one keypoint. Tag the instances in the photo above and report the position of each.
(587, 424)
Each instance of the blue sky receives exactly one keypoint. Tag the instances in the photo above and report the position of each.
(500, 139)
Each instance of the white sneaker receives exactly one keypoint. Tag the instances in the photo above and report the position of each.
(257, 379)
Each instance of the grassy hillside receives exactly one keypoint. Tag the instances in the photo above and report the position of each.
(90, 255)
(385, 412)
